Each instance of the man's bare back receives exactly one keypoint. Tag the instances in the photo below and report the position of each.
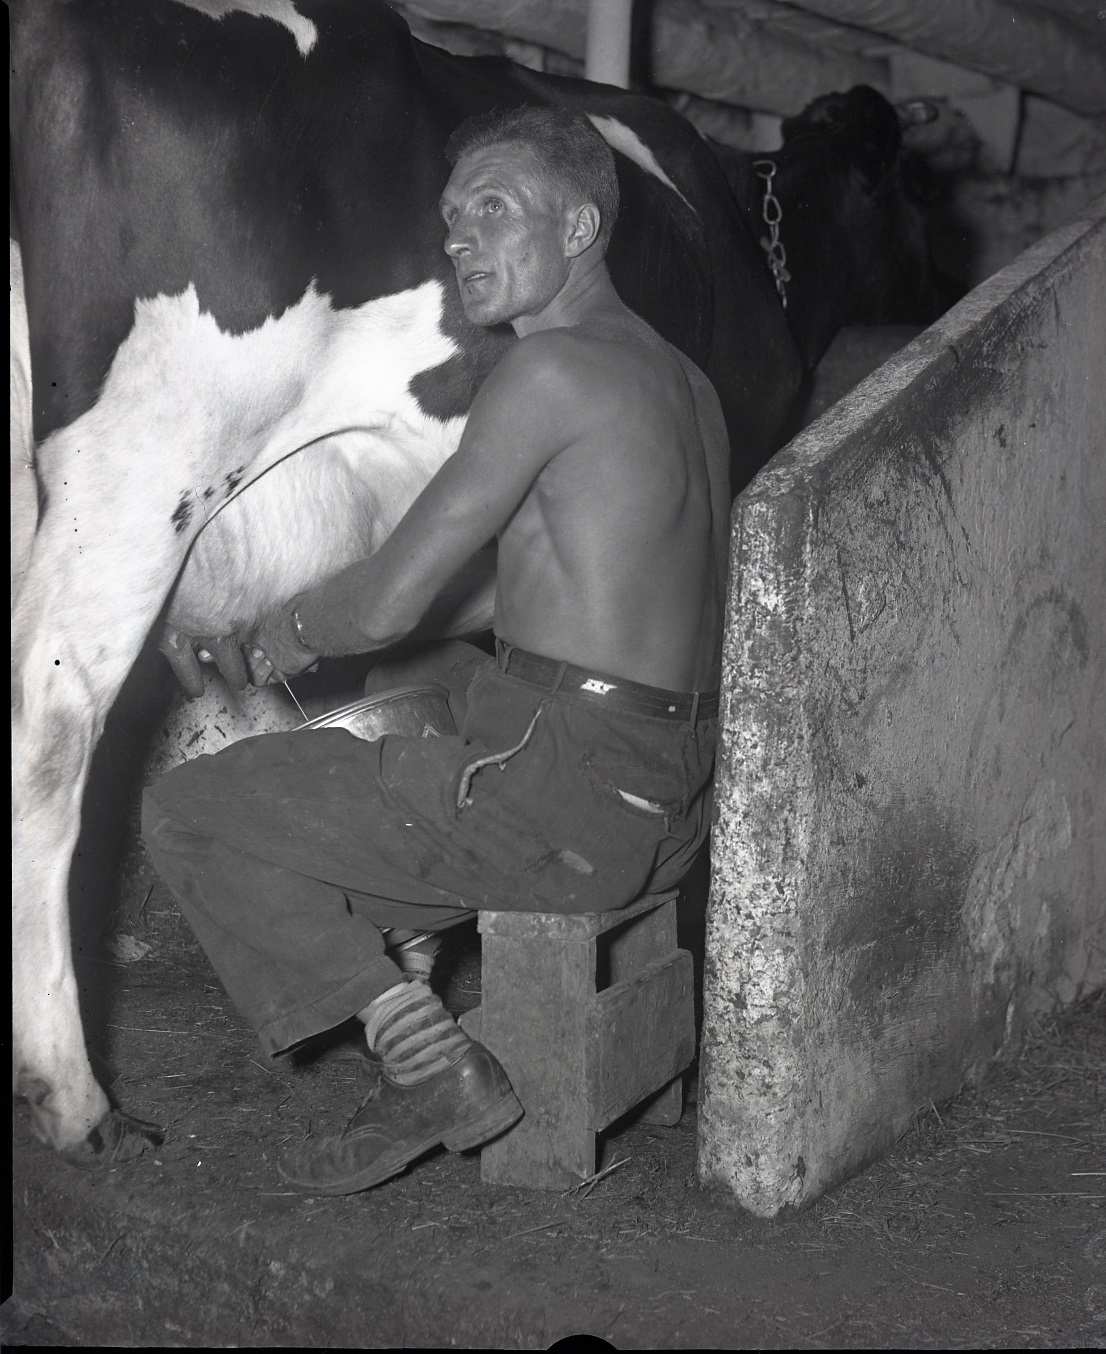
(615, 559)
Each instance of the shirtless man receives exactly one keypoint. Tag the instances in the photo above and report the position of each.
(597, 455)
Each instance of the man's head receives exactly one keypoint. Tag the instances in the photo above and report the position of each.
(533, 195)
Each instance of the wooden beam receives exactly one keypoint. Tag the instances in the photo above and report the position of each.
(1025, 47)
(719, 53)
(735, 58)
(607, 59)
(796, 25)
(741, 128)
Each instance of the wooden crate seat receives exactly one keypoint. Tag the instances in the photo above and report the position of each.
(591, 1016)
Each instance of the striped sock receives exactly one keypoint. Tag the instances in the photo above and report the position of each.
(412, 1033)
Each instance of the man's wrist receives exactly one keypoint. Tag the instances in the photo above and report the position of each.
(324, 620)
(297, 627)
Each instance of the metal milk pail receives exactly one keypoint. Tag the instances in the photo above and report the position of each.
(416, 711)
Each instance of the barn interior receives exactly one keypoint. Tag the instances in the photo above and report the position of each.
(1018, 147)
(191, 1246)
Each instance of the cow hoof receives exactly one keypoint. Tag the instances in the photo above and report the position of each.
(117, 1137)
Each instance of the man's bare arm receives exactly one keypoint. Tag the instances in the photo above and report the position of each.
(523, 415)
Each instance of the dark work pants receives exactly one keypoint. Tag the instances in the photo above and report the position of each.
(289, 852)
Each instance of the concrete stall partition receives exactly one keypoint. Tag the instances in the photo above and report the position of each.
(909, 850)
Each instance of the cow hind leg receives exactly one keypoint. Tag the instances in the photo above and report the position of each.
(80, 620)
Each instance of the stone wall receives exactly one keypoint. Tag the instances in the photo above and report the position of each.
(909, 853)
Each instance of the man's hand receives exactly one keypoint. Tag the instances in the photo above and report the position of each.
(185, 652)
(273, 649)
(271, 652)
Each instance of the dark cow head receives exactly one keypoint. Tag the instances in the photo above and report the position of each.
(854, 233)
(860, 122)
(856, 238)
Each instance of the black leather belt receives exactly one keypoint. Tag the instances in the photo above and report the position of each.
(617, 693)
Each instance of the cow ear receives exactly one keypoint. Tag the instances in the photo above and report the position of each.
(916, 112)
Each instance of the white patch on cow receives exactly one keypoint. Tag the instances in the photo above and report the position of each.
(186, 404)
(364, 450)
(280, 11)
(24, 494)
(188, 413)
(625, 139)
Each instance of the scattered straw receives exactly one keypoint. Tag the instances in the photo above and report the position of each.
(145, 901)
(553, 1222)
(1041, 1133)
(1044, 1194)
(138, 1029)
(584, 1187)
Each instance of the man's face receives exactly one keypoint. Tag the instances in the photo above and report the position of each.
(506, 227)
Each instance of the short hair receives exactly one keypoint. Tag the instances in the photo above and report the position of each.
(566, 143)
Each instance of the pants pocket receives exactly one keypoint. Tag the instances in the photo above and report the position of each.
(635, 791)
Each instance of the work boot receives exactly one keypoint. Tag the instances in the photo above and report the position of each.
(463, 1106)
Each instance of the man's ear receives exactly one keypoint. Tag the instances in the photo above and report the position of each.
(583, 229)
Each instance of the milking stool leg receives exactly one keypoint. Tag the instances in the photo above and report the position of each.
(667, 1106)
(591, 1016)
(535, 1009)
(630, 950)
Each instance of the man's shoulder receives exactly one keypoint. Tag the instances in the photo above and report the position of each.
(593, 365)
(551, 364)
(548, 351)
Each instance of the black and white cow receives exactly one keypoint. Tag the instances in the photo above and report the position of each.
(231, 312)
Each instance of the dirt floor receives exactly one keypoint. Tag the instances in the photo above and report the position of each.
(984, 1228)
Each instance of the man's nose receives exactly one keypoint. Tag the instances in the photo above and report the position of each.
(458, 241)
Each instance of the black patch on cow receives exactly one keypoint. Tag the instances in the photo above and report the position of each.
(209, 492)
(329, 171)
(122, 206)
(446, 391)
(233, 479)
(182, 513)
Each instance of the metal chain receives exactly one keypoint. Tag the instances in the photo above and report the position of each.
(772, 213)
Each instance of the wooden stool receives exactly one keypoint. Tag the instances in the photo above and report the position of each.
(590, 1015)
